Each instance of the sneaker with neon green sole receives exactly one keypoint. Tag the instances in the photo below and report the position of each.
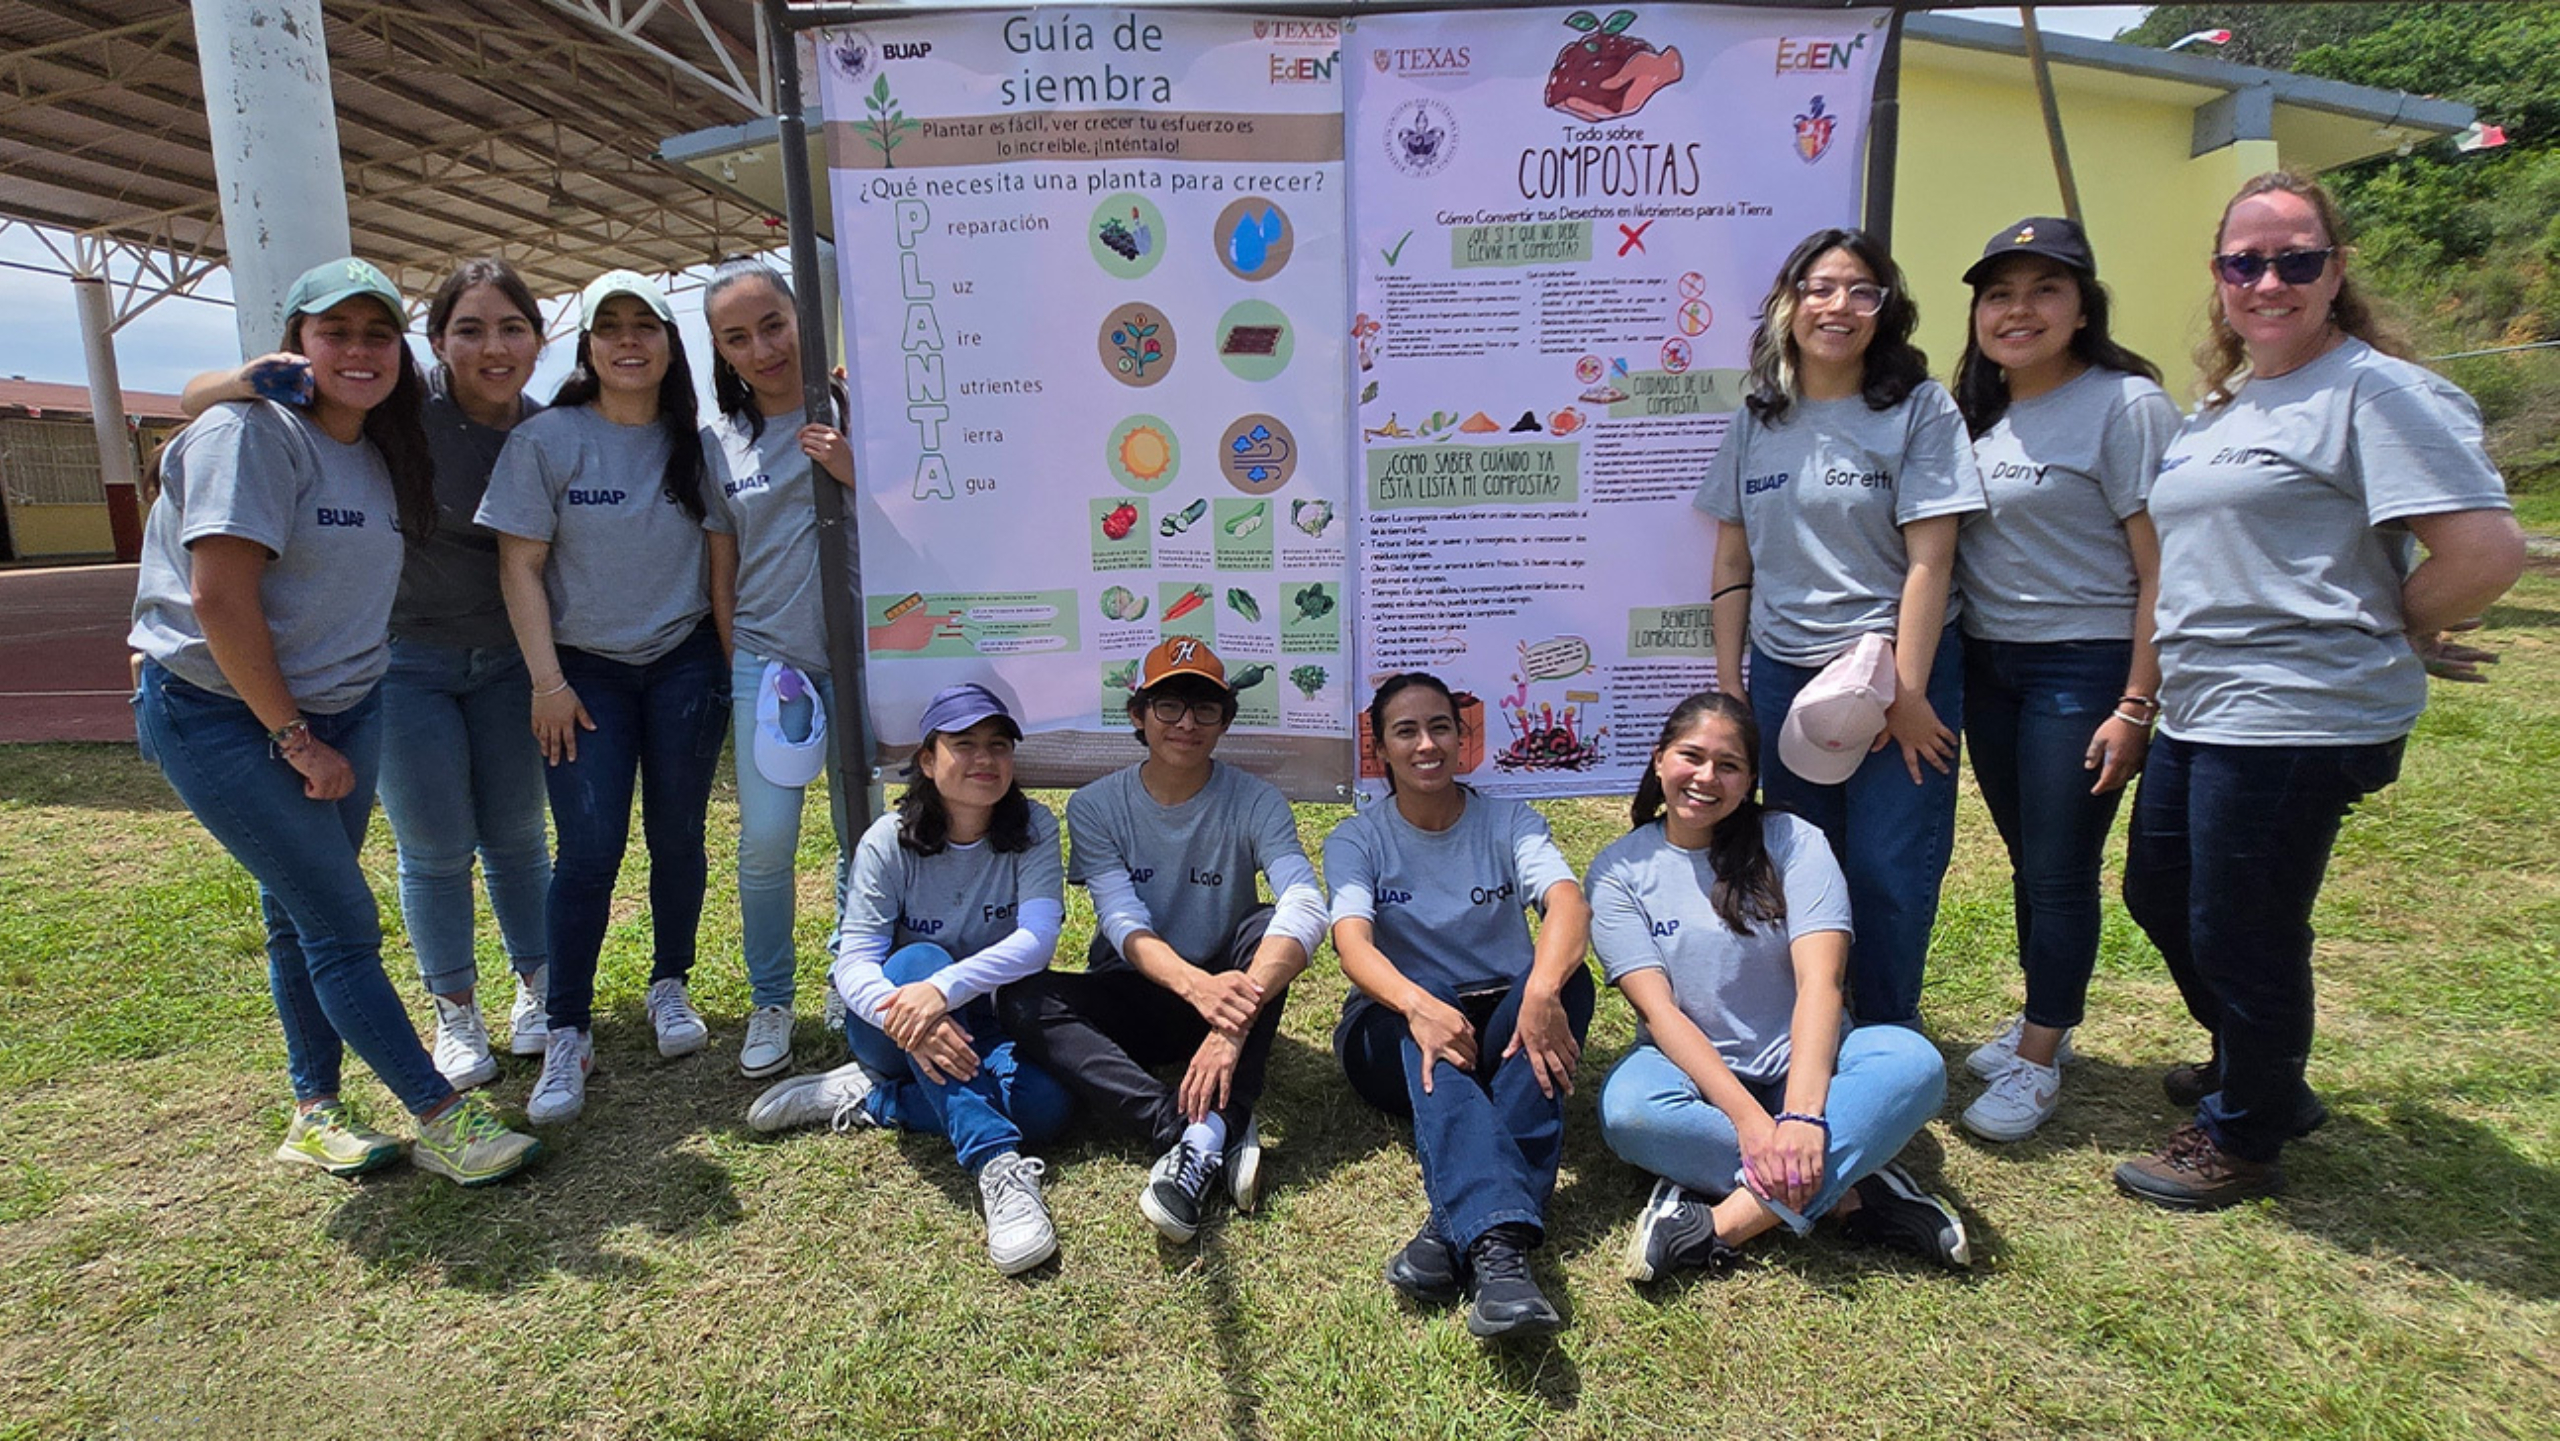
(327, 1137)
(470, 1146)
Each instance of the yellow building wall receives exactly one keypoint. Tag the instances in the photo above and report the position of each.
(65, 530)
(1973, 158)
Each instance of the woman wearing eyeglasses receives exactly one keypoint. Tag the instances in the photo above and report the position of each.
(2297, 626)
(1839, 489)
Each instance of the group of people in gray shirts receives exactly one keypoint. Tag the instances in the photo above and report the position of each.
(352, 575)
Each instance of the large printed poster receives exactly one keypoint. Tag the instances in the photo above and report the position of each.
(1563, 223)
(1093, 266)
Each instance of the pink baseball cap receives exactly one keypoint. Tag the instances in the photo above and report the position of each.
(1838, 715)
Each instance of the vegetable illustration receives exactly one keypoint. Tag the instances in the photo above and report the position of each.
(1122, 603)
(1129, 239)
(1123, 676)
(1122, 519)
(1311, 516)
(1241, 601)
(1192, 600)
(1249, 677)
(1309, 679)
(1314, 603)
(1183, 519)
(1249, 522)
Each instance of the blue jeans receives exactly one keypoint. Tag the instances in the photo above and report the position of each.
(1892, 838)
(661, 724)
(324, 933)
(2029, 711)
(769, 833)
(1488, 1141)
(1009, 1104)
(461, 774)
(2228, 848)
(1885, 1086)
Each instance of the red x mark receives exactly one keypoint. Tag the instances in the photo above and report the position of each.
(1635, 237)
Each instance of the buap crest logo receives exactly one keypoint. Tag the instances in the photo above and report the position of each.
(850, 53)
(1814, 130)
(1421, 137)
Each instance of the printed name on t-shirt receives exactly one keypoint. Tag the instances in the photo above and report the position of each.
(1756, 484)
(1200, 877)
(2019, 470)
(997, 913)
(1868, 479)
(1492, 895)
(757, 481)
(597, 497)
(2247, 455)
(348, 519)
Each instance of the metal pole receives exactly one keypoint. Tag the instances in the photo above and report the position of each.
(839, 553)
(1884, 135)
(106, 392)
(2052, 112)
(274, 130)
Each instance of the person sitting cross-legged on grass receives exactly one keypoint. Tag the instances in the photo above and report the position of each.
(1727, 925)
(1461, 1021)
(964, 881)
(1189, 967)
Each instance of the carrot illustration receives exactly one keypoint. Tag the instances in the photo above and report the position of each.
(1192, 600)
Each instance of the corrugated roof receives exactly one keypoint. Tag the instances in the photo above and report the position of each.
(45, 398)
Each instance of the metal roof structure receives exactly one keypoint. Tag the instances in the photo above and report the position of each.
(527, 128)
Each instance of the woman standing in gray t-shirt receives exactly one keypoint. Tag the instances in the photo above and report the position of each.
(2295, 635)
(1838, 492)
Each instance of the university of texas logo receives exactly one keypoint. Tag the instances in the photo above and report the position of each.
(1607, 74)
(1814, 130)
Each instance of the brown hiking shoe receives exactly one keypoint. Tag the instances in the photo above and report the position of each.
(2191, 1173)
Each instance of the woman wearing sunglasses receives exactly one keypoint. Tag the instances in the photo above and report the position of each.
(2297, 626)
(1839, 490)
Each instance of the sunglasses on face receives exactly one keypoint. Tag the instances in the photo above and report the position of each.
(1169, 711)
(1865, 297)
(2293, 267)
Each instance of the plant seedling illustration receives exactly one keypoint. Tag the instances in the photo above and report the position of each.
(888, 127)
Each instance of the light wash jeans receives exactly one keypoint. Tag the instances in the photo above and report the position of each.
(769, 833)
(1888, 1083)
(461, 774)
(324, 933)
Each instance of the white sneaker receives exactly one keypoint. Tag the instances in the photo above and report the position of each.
(529, 1019)
(462, 1044)
(671, 1014)
(2020, 1099)
(1244, 1167)
(1019, 1235)
(562, 1092)
(767, 1048)
(1992, 1056)
(834, 1097)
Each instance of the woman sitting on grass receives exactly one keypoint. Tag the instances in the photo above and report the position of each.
(1727, 925)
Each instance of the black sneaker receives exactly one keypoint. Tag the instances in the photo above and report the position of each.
(1177, 1191)
(1507, 1299)
(1893, 1212)
(1675, 1232)
(1426, 1270)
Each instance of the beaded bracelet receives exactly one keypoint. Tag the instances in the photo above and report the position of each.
(1785, 1116)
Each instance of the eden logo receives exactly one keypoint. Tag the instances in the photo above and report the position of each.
(1798, 56)
(597, 497)
(349, 519)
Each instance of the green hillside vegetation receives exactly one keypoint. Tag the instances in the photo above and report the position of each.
(2465, 249)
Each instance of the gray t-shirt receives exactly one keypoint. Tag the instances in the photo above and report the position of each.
(2282, 553)
(626, 575)
(449, 587)
(758, 491)
(1448, 907)
(1823, 497)
(1193, 865)
(1650, 910)
(963, 900)
(2049, 560)
(327, 515)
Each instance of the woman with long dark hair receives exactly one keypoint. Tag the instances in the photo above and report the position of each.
(1460, 1021)
(959, 892)
(2061, 678)
(1838, 490)
(597, 503)
(765, 597)
(2297, 626)
(460, 776)
(1727, 927)
(268, 572)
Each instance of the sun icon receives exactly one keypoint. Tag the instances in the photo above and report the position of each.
(1143, 453)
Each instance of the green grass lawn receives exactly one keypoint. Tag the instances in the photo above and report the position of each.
(664, 1273)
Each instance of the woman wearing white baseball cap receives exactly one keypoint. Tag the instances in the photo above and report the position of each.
(598, 507)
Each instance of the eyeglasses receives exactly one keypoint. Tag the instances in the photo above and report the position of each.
(1865, 297)
(1204, 713)
(2293, 267)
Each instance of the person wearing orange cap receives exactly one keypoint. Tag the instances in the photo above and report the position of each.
(1188, 967)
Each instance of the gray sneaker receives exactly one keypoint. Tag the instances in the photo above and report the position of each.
(834, 1097)
(469, 1146)
(462, 1044)
(671, 1014)
(561, 1093)
(1019, 1235)
(529, 1019)
(767, 1048)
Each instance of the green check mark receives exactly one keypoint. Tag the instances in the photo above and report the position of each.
(1399, 250)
